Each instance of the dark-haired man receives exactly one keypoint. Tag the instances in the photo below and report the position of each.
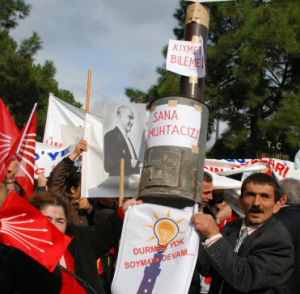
(254, 255)
(211, 204)
(207, 189)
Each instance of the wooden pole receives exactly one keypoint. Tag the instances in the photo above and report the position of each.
(87, 108)
(196, 30)
(122, 182)
(89, 92)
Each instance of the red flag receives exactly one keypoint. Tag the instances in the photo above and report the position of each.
(9, 134)
(24, 227)
(25, 154)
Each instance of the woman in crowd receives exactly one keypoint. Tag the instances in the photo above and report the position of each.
(88, 244)
(77, 271)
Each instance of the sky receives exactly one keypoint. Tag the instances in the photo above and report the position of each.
(120, 41)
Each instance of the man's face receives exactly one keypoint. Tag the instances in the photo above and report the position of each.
(126, 118)
(258, 202)
(56, 216)
(207, 192)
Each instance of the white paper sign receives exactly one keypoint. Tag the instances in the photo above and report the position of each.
(186, 58)
(157, 243)
(174, 126)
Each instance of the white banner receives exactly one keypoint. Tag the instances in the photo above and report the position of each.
(186, 58)
(64, 124)
(174, 126)
(46, 157)
(280, 168)
(92, 172)
(157, 243)
(222, 182)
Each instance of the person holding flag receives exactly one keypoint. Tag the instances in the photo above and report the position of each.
(78, 264)
(25, 154)
(37, 257)
(17, 152)
(30, 249)
(9, 135)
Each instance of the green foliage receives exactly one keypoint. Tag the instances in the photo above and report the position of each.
(29, 47)
(24, 82)
(11, 11)
(253, 77)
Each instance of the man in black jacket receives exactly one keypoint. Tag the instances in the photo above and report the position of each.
(254, 255)
(289, 215)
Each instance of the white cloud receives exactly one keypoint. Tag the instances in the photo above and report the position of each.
(120, 40)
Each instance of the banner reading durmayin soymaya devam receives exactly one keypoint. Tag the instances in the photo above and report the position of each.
(157, 243)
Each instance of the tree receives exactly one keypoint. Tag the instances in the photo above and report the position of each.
(23, 82)
(11, 11)
(253, 82)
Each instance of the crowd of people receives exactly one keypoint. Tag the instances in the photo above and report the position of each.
(256, 252)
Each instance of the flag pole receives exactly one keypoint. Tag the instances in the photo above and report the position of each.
(26, 127)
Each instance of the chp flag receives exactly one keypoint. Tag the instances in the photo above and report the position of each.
(157, 243)
(22, 226)
(25, 154)
(9, 134)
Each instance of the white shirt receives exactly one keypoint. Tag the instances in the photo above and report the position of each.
(211, 240)
(129, 144)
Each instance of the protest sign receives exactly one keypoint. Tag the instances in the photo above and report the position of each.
(280, 168)
(123, 127)
(186, 58)
(177, 125)
(157, 243)
(64, 124)
(47, 157)
(92, 172)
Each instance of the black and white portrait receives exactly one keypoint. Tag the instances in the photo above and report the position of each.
(118, 144)
(124, 126)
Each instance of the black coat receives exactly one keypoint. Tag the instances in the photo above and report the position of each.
(116, 148)
(263, 264)
(290, 217)
(89, 244)
(20, 274)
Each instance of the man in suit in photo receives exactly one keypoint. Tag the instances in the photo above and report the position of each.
(118, 145)
(253, 255)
